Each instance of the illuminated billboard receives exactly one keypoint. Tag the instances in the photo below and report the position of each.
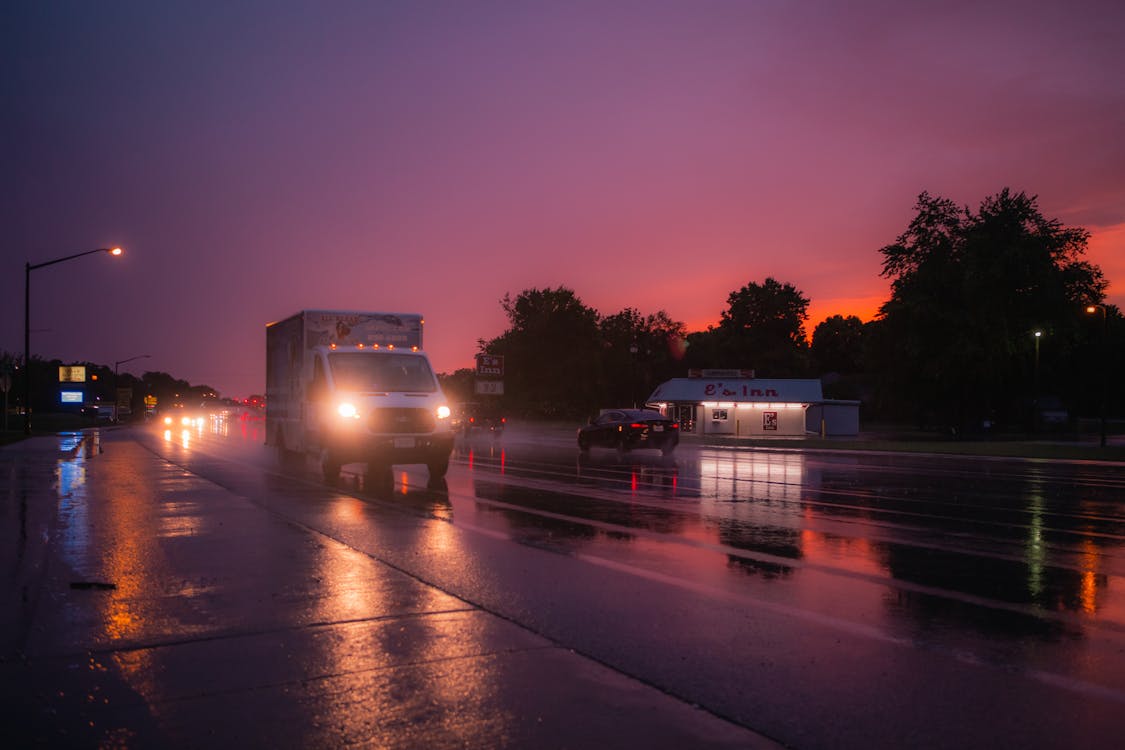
(72, 374)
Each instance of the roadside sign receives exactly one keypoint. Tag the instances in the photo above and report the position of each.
(490, 364)
(72, 374)
(490, 387)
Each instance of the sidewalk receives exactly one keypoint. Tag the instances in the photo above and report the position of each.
(146, 607)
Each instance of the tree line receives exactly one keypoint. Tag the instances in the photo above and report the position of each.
(100, 387)
(954, 346)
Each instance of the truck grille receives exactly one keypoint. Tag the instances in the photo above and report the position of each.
(401, 420)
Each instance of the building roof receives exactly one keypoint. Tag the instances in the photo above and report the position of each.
(738, 390)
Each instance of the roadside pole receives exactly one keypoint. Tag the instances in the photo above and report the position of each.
(5, 385)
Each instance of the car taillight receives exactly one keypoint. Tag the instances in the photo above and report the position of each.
(675, 425)
(638, 425)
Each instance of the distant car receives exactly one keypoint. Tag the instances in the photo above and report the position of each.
(628, 429)
(98, 412)
(484, 417)
(184, 415)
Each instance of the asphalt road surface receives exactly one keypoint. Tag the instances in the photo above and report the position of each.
(820, 599)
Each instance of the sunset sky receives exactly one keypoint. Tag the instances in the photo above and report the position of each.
(255, 158)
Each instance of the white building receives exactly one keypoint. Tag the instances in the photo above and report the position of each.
(752, 407)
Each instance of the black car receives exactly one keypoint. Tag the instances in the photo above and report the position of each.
(626, 429)
(483, 417)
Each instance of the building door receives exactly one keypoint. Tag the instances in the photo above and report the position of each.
(685, 415)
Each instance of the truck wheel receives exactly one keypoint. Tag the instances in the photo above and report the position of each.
(438, 466)
(379, 478)
(330, 466)
(285, 457)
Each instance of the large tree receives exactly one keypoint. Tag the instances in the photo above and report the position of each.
(552, 356)
(968, 288)
(640, 351)
(837, 345)
(763, 328)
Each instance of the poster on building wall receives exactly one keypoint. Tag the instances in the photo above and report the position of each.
(769, 420)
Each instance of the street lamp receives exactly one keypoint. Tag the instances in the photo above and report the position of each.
(115, 366)
(1035, 392)
(1092, 310)
(28, 268)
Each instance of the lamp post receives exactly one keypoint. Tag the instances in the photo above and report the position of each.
(28, 268)
(115, 366)
(633, 371)
(1091, 310)
(1035, 386)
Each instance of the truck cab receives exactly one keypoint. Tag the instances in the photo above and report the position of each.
(377, 406)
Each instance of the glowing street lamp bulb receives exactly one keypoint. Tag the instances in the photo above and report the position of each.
(115, 251)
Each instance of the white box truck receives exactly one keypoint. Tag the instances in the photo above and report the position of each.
(352, 387)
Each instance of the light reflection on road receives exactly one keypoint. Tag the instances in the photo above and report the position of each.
(1007, 535)
(1001, 563)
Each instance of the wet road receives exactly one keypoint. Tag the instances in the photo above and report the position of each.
(821, 599)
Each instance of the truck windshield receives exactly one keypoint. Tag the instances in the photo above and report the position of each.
(370, 371)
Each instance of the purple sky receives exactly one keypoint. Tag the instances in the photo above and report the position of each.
(265, 157)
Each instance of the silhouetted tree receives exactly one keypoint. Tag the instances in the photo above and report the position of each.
(763, 328)
(837, 345)
(639, 353)
(167, 389)
(968, 288)
(552, 357)
(459, 385)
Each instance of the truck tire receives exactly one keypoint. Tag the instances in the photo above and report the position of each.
(379, 479)
(330, 466)
(438, 466)
(286, 458)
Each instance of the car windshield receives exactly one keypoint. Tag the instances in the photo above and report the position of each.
(360, 371)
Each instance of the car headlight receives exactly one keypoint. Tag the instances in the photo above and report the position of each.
(347, 410)
(443, 412)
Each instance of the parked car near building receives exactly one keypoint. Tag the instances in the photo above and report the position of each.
(629, 429)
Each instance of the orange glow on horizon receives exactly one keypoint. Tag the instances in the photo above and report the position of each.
(1106, 250)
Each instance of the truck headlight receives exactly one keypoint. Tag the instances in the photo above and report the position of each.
(443, 412)
(347, 410)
